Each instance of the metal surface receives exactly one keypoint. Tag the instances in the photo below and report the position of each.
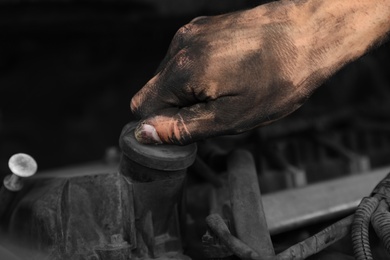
(73, 218)
(291, 209)
(319, 241)
(6, 197)
(296, 208)
(247, 208)
(293, 176)
(157, 212)
(239, 248)
(249, 223)
(140, 212)
(356, 163)
(86, 213)
(158, 175)
(22, 166)
(91, 168)
(204, 171)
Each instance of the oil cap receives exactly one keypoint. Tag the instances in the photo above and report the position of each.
(165, 157)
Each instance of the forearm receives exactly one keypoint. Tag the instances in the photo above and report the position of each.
(349, 28)
(331, 33)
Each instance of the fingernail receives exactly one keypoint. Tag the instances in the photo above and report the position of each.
(147, 134)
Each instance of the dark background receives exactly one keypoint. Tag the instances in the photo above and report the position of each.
(68, 70)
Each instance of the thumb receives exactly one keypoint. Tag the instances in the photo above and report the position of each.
(179, 126)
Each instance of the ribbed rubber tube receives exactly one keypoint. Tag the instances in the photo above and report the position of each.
(360, 227)
(381, 222)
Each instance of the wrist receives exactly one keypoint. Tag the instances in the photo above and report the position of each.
(325, 35)
(334, 33)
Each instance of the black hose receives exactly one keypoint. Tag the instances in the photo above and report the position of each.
(381, 222)
(360, 228)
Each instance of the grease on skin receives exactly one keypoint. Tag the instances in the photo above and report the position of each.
(220, 78)
(171, 129)
(237, 71)
(186, 125)
(242, 80)
(170, 87)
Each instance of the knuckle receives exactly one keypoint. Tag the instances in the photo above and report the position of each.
(188, 29)
(185, 33)
(183, 59)
(134, 105)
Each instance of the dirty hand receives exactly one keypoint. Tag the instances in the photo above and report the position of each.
(230, 73)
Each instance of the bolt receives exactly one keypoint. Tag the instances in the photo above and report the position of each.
(22, 166)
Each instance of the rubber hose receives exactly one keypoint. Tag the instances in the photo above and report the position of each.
(360, 227)
(381, 222)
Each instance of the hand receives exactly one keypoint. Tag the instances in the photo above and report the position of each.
(228, 74)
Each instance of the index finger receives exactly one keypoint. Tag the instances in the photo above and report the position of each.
(169, 88)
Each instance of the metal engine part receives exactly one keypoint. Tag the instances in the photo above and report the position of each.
(129, 214)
